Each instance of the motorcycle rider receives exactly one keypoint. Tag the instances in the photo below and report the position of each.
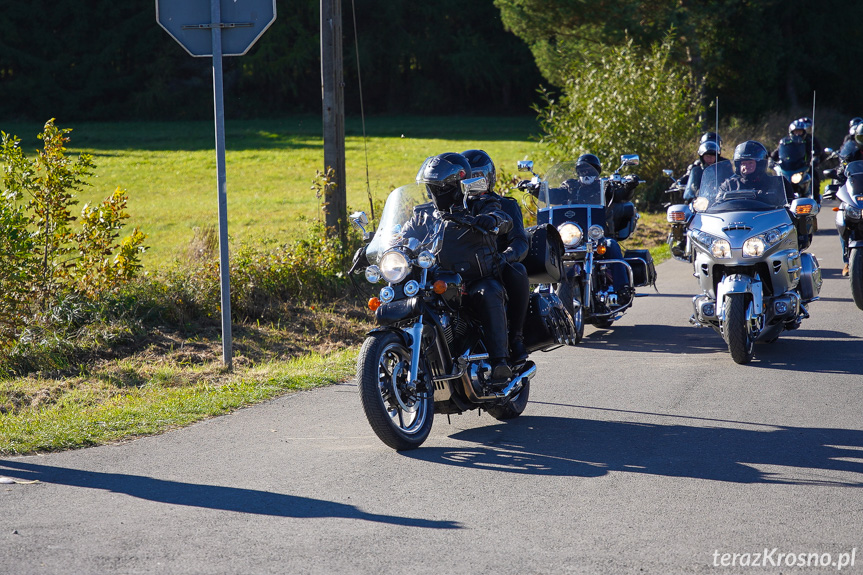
(442, 176)
(709, 152)
(852, 125)
(619, 210)
(800, 129)
(750, 173)
(513, 246)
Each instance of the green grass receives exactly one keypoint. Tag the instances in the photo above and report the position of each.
(109, 405)
(169, 169)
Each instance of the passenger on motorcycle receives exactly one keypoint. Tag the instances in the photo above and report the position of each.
(442, 176)
(852, 130)
(800, 128)
(513, 246)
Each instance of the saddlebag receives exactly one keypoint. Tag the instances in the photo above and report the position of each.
(544, 260)
(547, 324)
(643, 270)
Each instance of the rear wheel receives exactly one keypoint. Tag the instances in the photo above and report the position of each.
(855, 274)
(738, 330)
(400, 413)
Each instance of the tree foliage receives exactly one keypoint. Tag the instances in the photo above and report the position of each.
(105, 60)
(47, 253)
(629, 101)
(756, 56)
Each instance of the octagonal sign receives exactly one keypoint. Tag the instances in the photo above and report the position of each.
(189, 23)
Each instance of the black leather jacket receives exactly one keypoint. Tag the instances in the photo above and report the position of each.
(513, 245)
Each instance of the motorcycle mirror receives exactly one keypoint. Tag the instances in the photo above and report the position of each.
(474, 186)
(828, 150)
(525, 166)
(629, 159)
(668, 173)
(359, 219)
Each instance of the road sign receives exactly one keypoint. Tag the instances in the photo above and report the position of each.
(189, 23)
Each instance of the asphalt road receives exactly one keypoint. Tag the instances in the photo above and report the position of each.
(643, 450)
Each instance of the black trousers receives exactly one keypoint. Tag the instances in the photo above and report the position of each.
(489, 296)
(517, 286)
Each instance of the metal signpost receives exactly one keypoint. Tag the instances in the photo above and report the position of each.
(233, 26)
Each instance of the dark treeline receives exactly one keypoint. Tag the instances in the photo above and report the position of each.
(109, 60)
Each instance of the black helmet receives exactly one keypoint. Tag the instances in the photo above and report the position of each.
(711, 137)
(591, 160)
(858, 134)
(481, 166)
(708, 147)
(751, 150)
(442, 176)
(853, 124)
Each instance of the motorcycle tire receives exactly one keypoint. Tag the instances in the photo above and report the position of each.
(513, 407)
(737, 331)
(401, 418)
(855, 274)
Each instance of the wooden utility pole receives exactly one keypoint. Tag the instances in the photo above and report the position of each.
(333, 95)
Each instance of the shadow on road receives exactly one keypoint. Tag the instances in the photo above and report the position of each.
(815, 351)
(206, 496)
(593, 448)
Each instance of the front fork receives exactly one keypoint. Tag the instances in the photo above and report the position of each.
(416, 333)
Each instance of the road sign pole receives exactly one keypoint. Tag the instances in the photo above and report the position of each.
(219, 104)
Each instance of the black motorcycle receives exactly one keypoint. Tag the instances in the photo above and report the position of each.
(794, 166)
(581, 206)
(428, 354)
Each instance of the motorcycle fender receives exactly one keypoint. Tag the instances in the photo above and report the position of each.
(739, 284)
(406, 340)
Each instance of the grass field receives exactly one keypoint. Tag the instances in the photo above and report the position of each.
(169, 169)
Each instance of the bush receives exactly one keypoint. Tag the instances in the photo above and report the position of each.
(626, 102)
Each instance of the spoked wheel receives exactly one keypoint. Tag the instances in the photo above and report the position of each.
(737, 330)
(400, 413)
(855, 274)
(513, 407)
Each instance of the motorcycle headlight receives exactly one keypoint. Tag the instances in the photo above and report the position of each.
(719, 248)
(394, 266)
(373, 274)
(756, 245)
(753, 247)
(852, 213)
(797, 178)
(595, 232)
(570, 233)
(425, 260)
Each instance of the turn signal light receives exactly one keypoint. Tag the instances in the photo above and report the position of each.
(374, 304)
(601, 249)
(836, 209)
(804, 209)
(676, 217)
(439, 287)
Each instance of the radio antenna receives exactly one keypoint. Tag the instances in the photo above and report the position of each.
(812, 153)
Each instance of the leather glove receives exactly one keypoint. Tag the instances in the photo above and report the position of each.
(485, 222)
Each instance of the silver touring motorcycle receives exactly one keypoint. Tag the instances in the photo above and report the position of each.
(746, 247)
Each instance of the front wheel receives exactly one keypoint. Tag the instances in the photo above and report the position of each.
(738, 330)
(399, 412)
(855, 274)
(569, 293)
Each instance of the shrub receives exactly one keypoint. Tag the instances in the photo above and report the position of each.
(626, 102)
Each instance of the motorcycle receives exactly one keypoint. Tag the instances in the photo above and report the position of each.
(849, 223)
(793, 165)
(428, 354)
(576, 201)
(747, 253)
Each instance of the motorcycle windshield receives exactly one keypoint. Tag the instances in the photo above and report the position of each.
(854, 168)
(712, 177)
(569, 184)
(792, 155)
(396, 226)
(693, 183)
(847, 150)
